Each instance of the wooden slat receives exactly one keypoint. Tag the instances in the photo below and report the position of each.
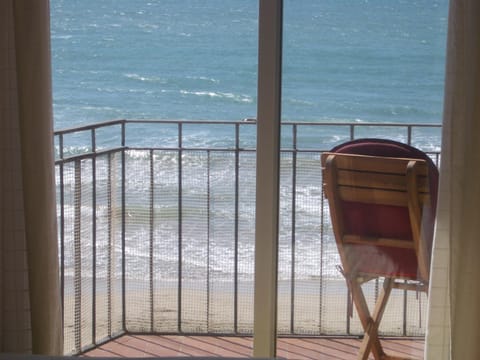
(377, 196)
(385, 181)
(364, 240)
(372, 196)
(374, 163)
(413, 287)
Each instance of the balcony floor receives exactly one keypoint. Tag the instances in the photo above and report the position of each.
(297, 348)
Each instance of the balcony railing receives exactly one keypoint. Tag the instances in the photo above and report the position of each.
(156, 230)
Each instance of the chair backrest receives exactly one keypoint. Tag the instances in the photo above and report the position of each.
(382, 197)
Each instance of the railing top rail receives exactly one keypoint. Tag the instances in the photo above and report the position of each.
(89, 154)
(247, 121)
(118, 141)
(353, 123)
(91, 126)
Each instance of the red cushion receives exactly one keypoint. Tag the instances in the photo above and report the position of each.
(377, 221)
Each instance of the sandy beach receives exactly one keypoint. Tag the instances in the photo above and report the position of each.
(316, 311)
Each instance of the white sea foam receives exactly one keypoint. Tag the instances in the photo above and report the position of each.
(225, 95)
(61, 37)
(135, 76)
(204, 78)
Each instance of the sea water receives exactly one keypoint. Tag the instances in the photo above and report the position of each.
(343, 61)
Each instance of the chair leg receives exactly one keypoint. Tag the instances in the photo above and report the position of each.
(370, 323)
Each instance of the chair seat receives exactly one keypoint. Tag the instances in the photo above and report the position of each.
(382, 261)
(383, 221)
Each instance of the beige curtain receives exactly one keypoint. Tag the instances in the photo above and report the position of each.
(30, 308)
(454, 314)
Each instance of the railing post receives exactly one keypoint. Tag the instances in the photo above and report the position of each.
(208, 240)
(405, 304)
(152, 224)
(124, 289)
(110, 246)
(322, 245)
(237, 213)
(62, 226)
(77, 282)
(94, 239)
(179, 290)
(293, 239)
(349, 311)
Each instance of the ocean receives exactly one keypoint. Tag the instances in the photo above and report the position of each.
(343, 61)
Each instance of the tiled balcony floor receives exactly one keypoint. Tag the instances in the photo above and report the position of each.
(297, 348)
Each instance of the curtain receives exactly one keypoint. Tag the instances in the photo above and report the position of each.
(30, 307)
(454, 314)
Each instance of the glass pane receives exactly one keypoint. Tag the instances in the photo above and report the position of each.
(174, 212)
(352, 69)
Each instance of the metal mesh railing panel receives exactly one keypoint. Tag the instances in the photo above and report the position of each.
(194, 245)
(309, 257)
(89, 227)
(108, 246)
(78, 257)
(221, 251)
(138, 253)
(246, 242)
(416, 313)
(286, 277)
(68, 256)
(166, 240)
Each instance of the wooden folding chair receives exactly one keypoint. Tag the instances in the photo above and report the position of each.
(382, 198)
